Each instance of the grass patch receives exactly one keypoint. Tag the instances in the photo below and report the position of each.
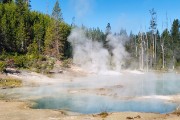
(10, 83)
(2, 97)
(103, 114)
(177, 112)
(66, 63)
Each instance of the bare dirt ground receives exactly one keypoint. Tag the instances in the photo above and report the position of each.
(17, 110)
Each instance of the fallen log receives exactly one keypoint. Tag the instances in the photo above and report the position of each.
(55, 71)
(11, 71)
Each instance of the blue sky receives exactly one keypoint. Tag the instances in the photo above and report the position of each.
(128, 14)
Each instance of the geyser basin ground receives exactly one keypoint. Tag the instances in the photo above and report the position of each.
(128, 91)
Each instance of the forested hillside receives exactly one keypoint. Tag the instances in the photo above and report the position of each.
(31, 34)
(23, 31)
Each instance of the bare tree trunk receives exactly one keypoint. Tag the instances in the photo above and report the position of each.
(57, 47)
(22, 45)
(152, 50)
(57, 39)
(141, 53)
(39, 46)
(173, 54)
(163, 56)
(136, 47)
(173, 62)
(155, 40)
(162, 46)
(147, 56)
(153, 44)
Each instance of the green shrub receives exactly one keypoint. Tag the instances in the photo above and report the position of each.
(2, 66)
(66, 63)
(38, 63)
(177, 64)
(41, 65)
(20, 61)
(10, 62)
(103, 114)
(42, 58)
(3, 56)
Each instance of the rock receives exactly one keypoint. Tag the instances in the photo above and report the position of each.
(55, 71)
(129, 118)
(138, 117)
(60, 71)
(51, 72)
(11, 71)
(132, 118)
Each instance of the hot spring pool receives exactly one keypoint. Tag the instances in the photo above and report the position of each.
(86, 104)
(110, 93)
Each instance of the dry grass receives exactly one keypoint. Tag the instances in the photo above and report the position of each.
(103, 114)
(10, 83)
(177, 112)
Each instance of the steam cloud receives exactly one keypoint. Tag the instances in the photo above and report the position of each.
(82, 7)
(92, 56)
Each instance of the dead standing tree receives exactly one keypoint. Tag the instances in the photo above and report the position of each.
(153, 27)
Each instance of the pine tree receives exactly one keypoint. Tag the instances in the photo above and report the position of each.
(21, 7)
(108, 29)
(28, 3)
(175, 33)
(107, 32)
(21, 36)
(49, 45)
(5, 1)
(56, 14)
(38, 36)
(56, 39)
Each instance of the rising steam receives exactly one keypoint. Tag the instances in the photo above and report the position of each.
(82, 7)
(92, 56)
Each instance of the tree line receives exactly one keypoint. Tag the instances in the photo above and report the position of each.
(148, 50)
(30, 39)
(33, 34)
(25, 31)
(155, 50)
